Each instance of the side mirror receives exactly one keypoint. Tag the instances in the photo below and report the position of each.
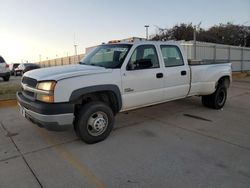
(144, 64)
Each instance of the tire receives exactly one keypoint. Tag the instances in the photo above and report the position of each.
(205, 100)
(6, 78)
(94, 122)
(216, 100)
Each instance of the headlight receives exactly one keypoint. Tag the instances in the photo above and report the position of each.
(47, 91)
(47, 86)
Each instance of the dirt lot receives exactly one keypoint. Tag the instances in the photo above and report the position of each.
(177, 144)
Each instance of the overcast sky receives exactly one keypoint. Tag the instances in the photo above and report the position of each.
(47, 27)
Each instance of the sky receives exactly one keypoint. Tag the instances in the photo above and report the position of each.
(30, 29)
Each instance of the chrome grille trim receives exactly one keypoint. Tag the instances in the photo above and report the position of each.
(31, 89)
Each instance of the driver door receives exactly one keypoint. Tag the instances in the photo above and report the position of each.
(142, 79)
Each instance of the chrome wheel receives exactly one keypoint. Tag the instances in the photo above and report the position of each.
(97, 123)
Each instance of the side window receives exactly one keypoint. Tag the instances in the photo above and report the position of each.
(172, 56)
(143, 57)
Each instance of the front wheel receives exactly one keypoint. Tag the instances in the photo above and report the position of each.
(94, 122)
(216, 100)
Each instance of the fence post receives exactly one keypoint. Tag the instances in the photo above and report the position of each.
(241, 64)
(229, 54)
(214, 52)
(194, 49)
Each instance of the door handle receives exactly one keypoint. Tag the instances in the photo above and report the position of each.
(183, 73)
(159, 75)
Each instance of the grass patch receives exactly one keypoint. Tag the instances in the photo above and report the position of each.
(8, 91)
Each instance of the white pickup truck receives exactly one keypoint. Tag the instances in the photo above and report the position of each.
(117, 77)
(4, 70)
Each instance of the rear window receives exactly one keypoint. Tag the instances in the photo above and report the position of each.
(1, 60)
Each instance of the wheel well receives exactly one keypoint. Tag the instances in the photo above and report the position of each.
(225, 80)
(107, 97)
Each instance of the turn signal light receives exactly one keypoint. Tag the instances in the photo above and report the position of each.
(45, 98)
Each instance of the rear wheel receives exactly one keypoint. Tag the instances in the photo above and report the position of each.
(216, 100)
(6, 78)
(94, 122)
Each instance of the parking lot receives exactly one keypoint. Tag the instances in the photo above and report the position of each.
(13, 80)
(176, 144)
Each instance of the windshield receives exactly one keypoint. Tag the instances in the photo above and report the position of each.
(108, 56)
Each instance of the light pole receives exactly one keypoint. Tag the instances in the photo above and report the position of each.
(195, 42)
(146, 27)
(195, 27)
(75, 46)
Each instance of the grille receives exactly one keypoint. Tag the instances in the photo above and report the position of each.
(28, 93)
(29, 81)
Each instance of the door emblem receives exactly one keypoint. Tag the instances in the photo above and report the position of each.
(126, 90)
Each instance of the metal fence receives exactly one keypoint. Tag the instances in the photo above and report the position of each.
(238, 56)
(61, 61)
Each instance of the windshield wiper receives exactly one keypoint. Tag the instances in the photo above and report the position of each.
(92, 64)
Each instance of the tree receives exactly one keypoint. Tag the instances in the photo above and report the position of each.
(238, 35)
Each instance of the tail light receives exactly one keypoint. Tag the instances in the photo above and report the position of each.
(7, 65)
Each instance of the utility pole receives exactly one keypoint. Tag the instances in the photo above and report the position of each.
(146, 27)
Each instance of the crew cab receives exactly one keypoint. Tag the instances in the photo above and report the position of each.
(117, 77)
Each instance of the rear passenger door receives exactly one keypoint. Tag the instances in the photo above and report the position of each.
(176, 73)
(142, 78)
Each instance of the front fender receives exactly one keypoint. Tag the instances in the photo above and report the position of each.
(76, 94)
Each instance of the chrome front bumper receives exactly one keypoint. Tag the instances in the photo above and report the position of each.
(46, 115)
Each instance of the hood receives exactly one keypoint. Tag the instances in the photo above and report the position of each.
(66, 71)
